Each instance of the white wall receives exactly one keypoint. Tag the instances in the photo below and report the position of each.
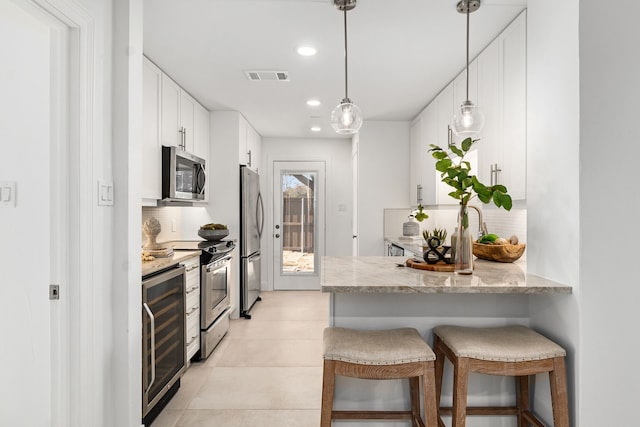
(336, 153)
(553, 184)
(609, 93)
(383, 179)
(24, 134)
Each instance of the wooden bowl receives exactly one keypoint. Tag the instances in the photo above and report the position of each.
(499, 253)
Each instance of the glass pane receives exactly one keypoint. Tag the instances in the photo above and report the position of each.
(298, 227)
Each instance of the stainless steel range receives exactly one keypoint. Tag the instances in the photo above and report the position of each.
(215, 275)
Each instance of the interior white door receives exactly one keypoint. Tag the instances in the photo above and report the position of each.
(299, 232)
(32, 128)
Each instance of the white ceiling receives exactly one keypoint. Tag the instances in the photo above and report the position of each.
(401, 54)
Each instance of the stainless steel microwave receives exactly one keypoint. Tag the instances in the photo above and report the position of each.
(183, 176)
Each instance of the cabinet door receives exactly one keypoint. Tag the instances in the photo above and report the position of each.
(460, 91)
(429, 134)
(151, 151)
(254, 142)
(445, 136)
(243, 156)
(514, 115)
(187, 120)
(416, 170)
(445, 116)
(170, 112)
(490, 102)
(201, 132)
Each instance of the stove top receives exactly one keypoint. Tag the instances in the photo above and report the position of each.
(194, 245)
(210, 250)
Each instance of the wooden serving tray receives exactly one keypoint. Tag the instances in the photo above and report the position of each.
(422, 265)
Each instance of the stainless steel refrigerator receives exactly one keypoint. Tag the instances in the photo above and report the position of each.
(251, 225)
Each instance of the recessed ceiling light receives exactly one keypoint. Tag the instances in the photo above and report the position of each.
(307, 50)
(316, 128)
(313, 102)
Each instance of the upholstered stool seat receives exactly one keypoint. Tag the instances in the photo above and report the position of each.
(379, 355)
(510, 351)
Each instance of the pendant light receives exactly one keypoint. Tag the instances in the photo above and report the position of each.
(469, 120)
(346, 118)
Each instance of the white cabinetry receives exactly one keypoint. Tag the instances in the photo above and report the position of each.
(424, 131)
(172, 117)
(502, 98)
(192, 305)
(497, 84)
(180, 116)
(250, 144)
(151, 147)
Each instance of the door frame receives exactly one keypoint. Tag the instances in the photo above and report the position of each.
(72, 317)
(321, 211)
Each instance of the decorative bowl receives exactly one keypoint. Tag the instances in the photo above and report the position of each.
(213, 235)
(499, 253)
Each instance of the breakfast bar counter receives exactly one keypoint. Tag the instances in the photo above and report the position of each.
(377, 292)
(381, 274)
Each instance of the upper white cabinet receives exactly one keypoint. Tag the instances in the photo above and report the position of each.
(497, 85)
(179, 112)
(424, 131)
(152, 153)
(502, 98)
(250, 144)
(172, 117)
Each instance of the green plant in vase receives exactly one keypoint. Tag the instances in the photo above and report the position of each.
(455, 171)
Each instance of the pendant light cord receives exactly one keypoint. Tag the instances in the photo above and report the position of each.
(346, 84)
(468, 7)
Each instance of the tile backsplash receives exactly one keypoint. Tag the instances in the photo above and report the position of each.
(498, 221)
(170, 219)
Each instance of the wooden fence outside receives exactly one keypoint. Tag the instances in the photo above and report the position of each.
(298, 224)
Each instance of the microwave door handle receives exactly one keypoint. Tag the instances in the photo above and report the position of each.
(203, 172)
(153, 346)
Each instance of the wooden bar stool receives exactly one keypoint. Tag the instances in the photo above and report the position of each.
(379, 355)
(510, 351)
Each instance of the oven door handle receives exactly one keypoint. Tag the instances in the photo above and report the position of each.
(153, 346)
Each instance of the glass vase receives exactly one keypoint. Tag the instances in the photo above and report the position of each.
(463, 256)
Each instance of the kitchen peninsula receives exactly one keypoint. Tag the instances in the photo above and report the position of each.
(380, 292)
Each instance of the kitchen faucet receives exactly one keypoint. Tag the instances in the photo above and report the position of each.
(482, 227)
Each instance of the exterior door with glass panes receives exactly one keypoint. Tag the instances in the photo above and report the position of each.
(298, 235)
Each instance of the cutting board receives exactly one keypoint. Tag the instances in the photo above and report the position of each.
(422, 265)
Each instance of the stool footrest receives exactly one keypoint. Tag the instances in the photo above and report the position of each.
(496, 410)
(484, 410)
(372, 415)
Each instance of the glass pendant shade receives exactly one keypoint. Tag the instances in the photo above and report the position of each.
(346, 118)
(468, 121)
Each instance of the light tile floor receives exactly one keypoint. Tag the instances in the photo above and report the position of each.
(266, 372)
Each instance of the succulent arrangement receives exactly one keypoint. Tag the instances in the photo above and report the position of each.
(438, 233)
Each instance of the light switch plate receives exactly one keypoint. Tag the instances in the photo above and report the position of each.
(8, 194)
(105, 193)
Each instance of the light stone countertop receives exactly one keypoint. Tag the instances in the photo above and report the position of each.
(380, 274)
(158, 264)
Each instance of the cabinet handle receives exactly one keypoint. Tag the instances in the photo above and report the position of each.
(449, 135)
(419, 194)
(183, 137)
(494, 174)
(193, 267)
(249, 161)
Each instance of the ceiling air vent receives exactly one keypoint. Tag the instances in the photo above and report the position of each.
(281, 76)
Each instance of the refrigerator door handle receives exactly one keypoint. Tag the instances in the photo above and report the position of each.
(260, 214)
